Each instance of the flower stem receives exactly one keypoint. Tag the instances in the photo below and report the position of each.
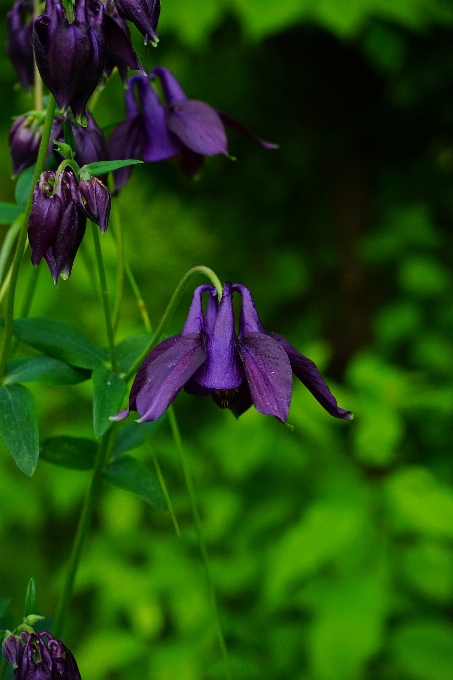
(9, 316)
(37, 76)
(204, 551)
(200, 269)
(118, 236)
(82, 530)
(105, 298)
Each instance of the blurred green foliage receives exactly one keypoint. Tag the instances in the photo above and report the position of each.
(332, 545)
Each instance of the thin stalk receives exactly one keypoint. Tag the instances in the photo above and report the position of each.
(105, 298)
(26, 306)
(198, 528)
(138, 297)
(200, 269)
(82, 531)
(118, 235)
(37, 76)
(9, 315)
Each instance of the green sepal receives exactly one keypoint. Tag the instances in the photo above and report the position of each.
(64, 149)
(19, 426)
(99, 168)
(9, 212)
(132, 475)
(43, 370)
(75, 453)
(108, 393)
(69, 136)
(57, 339)
(30, 599)
(23, 185)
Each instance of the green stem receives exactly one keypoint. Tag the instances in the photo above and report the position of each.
(204, 551)
(200, 269)
(92, 493)
(9, 316)
(105, 298)
(138, 297)
(118, 236)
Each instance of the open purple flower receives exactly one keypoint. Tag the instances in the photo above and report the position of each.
(18, 45)
(237, 370)
(39, 657)
(182, 127)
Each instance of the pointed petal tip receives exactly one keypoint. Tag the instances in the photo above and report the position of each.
(348, 416)
(121, 415)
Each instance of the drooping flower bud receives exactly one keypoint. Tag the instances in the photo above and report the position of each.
(24, 139)
(45, 217)
(12, 650)
(18, 45)
(144, 14)
(120, 52)
(98, 201)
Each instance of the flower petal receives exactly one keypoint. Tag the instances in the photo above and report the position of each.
(308, 374)
(238, 127)
(249, 321)
(268, 373)
(195, 322)
(198, 126)
(173, 91)
(167, 374)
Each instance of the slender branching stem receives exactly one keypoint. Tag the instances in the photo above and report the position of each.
(9, 316)
(37, 76)
(105, 298)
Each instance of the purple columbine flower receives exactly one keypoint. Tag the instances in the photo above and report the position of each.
(182, 127)
(144, 14)
(39, 657)
(97, 201)
(18, 43)
(237, 370)
(120, 52)
(90, 145)
(24, 139)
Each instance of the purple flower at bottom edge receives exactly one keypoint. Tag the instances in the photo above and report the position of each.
(237, 370)
(39, 657)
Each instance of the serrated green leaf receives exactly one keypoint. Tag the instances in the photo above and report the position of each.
(9, 212)
(19, 426)
(102, 167)
(132, 475)
(30, 599)
(24, 184)
(75, 453)
(57, 339)
(108, 393)
(4, 604)
(131, 435)
(130, 349)
(43, 370)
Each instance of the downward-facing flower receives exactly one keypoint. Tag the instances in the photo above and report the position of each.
(237, 370)
(185, 128)
(144, 14)
(18, 45)
(39, 657)
(24, 139)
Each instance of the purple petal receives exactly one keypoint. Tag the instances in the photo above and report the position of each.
(141, 373)
(173, 91)
(222, 369)
(70, 235)
(126, 141)
(238, 127)
(195, 322)
(308, 374)
(212, 306)
(249, 321)
(198, 126)
(119, 45)
(238, 400)
(167, 374)
(268, 373)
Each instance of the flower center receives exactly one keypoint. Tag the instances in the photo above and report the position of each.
(224, 397)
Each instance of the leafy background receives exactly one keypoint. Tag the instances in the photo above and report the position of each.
(331, 545)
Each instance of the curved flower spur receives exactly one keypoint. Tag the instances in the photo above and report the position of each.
(236, 369)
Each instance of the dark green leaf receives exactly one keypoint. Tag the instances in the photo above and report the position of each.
(9, 212)
(57, 339)
(19, 426)
(131, 435)
(4, 604)
(69, 135)
(24, 184)
(75, 453)
(30, 599)
(44, 370)
(102, 167)
(64, 149)
(129, 350)
(108, 393)
(132, 475)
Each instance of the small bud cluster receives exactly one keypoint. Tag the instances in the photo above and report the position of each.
(38, 656)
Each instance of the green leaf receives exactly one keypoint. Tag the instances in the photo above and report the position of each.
(9, 212)
(132, 475)
(64, 149)
(19, 426)
(24, 184)
(108, 393)
(43, 370)
(4, 604)
(57, 339)
(102, 167)
(75, 453)
(130, 349)
(8, 245)
(423, 650)
(30, 599)
(131, 435)
(69, 136)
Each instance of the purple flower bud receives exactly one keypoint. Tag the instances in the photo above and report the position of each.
(120, 52)
(24, 139)
(45, 217)
(13, 649)
(144, 14)
(40, 657)
(18, 43)
(98, 201)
